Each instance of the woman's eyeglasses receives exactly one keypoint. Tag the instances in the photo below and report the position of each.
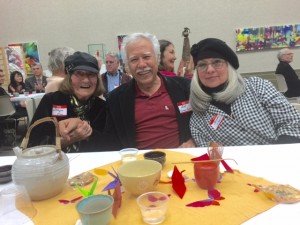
(215, 63)
(82, 74)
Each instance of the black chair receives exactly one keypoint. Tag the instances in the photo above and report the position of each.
(8, 124)
(282, 87)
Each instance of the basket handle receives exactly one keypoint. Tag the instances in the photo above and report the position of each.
(57, 137)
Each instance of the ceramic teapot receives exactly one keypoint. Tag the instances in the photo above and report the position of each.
(42, 170)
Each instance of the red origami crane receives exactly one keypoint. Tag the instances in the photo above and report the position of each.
(178, 182)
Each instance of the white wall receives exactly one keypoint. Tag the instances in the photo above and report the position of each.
(77, 23)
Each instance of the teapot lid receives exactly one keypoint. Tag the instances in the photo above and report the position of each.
(38, 151)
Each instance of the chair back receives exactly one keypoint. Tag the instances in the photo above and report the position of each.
(31, 106)
(296, 105)
(282, 87)
(6, 107)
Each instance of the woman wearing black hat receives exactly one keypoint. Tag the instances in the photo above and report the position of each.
(77, 107)
(232, 110)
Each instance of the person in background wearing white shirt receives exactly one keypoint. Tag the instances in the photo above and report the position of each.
(113, 77)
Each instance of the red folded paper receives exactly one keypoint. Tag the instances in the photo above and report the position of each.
(214, 198)
(178, 182)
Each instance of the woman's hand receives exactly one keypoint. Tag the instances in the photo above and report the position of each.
(74, 130)
(12, 89)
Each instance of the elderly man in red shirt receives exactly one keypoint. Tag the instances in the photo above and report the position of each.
(151, 110)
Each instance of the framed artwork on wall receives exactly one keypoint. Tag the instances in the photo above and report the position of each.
(120, 41)
(15, 59)
(97, 50)
(30, 54)
(3, 65)
(270, 37)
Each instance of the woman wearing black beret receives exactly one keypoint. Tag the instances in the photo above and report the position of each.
(232, 110)
(80, 112)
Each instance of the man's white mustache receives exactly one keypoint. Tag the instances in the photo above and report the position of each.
(147, 69)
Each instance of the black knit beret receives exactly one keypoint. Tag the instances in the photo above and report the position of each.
(214, 48)
(81, 61)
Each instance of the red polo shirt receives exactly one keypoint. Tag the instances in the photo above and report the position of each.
(155, 119)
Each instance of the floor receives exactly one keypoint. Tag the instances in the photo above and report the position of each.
(22, 129)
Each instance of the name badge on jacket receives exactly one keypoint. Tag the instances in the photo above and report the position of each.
(216, 121)
(59, 110)
(184, 107)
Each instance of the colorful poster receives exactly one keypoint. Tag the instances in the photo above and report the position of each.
(285, 36)
(97, 50)
(30, 54)
(15, 60)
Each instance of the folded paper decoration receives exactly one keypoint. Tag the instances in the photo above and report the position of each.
(74, 200)
(114, 183)
(178, 182)
(117, 194)
(213, 195)
(203, 203)
(85, 192)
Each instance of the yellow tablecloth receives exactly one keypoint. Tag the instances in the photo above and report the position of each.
(240, 203)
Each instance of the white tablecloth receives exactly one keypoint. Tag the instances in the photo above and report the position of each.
(22, 97)
(276, 163)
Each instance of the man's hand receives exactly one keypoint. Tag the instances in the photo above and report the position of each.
(188, 144)
(39, 87)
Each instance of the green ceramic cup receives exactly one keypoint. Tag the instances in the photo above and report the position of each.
(95, 210)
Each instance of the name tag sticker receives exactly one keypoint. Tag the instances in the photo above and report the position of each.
(184, 107)
(59, 110)
(216, 121)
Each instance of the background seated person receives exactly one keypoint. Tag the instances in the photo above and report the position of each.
(232, 110)
(19, 105)
(151, 110)
(113, 77)
(2, 91)
(167, 58)
(16, 84)
(38, 81)
(81, 114)
(56, 65)
(285, 57)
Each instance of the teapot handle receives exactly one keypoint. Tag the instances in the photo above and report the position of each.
(57, 137)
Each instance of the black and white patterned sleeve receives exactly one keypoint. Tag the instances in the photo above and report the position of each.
(285, 117)
(196, 125)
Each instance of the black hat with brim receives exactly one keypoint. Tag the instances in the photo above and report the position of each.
(81, 61)
(214, 48)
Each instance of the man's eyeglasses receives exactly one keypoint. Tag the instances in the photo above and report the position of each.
(215, 63)
(82, 74)
(109, 62)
